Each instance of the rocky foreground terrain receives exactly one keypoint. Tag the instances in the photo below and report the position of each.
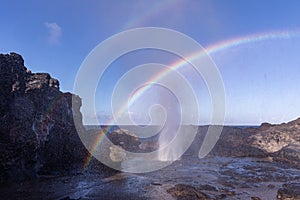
(37, 132)
(42, 155)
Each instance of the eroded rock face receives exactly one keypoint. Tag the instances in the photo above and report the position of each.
(276, 137)
(233, 142)
(280, 142)
(37, 131)
(289, 154)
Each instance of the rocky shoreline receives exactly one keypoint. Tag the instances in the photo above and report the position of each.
(42, 155)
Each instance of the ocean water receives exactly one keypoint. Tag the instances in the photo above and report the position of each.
(150, 128)
(153, 130)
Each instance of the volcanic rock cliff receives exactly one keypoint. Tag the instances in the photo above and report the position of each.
(37, 131)
(278, 142)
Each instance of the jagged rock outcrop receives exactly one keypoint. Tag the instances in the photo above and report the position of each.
(37, 131)
(280, 142)
(234, 142)
(231, 143)
(276, 137)
(125, 139)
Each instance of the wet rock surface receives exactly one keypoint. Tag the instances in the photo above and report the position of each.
(188, 178)
(186, 192)
(290, 191)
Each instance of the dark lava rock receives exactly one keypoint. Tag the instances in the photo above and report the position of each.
(233, 142)
(207, 187)
(125, 139)
(289, 154)
(114, 146)
(37, 132)
(186, 192)
(290, 191)
(280, 142)
(277, 137)
(265, 126)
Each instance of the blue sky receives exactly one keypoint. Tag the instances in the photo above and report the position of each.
(261, 78)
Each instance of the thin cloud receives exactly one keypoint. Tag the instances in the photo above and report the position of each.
(54, 33)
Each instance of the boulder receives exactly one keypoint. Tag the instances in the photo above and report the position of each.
(187, 192)
(125, 139)
(289, 154)
(289, 191)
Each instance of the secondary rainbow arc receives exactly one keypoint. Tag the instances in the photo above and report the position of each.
(211, 49)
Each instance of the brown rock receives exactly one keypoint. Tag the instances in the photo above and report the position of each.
(186, 192)
(290, 191)
(125, 139)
